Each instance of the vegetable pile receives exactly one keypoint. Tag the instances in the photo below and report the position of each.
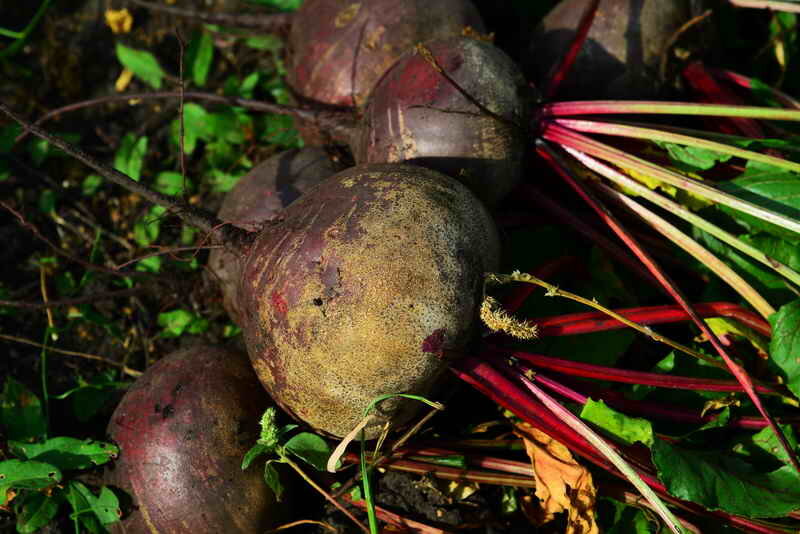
(365, 274)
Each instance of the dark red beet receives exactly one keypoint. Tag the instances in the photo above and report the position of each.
(338, 49)
(621, 56)
(359, 287)
(258, 197)
(416, 115)
(183, 429)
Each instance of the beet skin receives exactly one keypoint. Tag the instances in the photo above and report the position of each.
(259, 196)
(465, 122)
(338, 49)
(360, 287)
(183, 429)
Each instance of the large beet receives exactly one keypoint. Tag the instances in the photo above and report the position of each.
(258, 197)
(622, 52)
(353, 292)
(338, 49)
(417, 115)
(183, 429)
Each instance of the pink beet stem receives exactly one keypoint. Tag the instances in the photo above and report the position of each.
(563, 67)
(748, 83)
(500, 389)
(612, 374)
(710, 91)
(741, 375)
(583, 323)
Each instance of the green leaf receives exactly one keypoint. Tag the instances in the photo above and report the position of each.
(629, 520)
(129, 158)
(91, 184)
(222, 181)
(47, 201)
(764, 444)
(147, 229)
(150, 265)
(693, 159)
(66, 452)
(280, 130)
(627, 429)
(720, 481)
(784, 347)
(35, 511)
(267, 43)
(249, 84)
(230, 330)
(768, 187)
(93, 511)
(273, 479)
(21, 413)
(176, 322)
(194, 122)
(8, 136)
(170, 183)
(311, 448)
(142, 63)
(255, 451)
(283, 5)
(199, 55)
(28, 474)
(40, 150)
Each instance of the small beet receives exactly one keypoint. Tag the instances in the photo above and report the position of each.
(467, 127)
(183, 429)
(338, 49)
(258, 197)
(359, 288)
(621, 55)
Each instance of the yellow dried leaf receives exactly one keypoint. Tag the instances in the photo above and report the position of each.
(562, 485)
(460, 489)
(780, 53)
(718, 404)
(120, 21)
(124, 80)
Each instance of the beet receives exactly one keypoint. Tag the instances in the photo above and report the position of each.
(359, 286)
(258, 197)
(338, 49)
(621, 56)
(417, 115)
(183, 429)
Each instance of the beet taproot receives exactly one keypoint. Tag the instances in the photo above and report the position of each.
(338, 49)
(354, 292)
(621, 55)
(258, 197)
(183, 429)
(465, 122)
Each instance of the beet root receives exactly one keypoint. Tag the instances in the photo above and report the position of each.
(183, 429)
(338, 49)
(417, 115)
(258, 197)
(358, 288)
(621, 55)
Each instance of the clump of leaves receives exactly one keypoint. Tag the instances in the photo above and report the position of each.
(40, 477)
(282, 446)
